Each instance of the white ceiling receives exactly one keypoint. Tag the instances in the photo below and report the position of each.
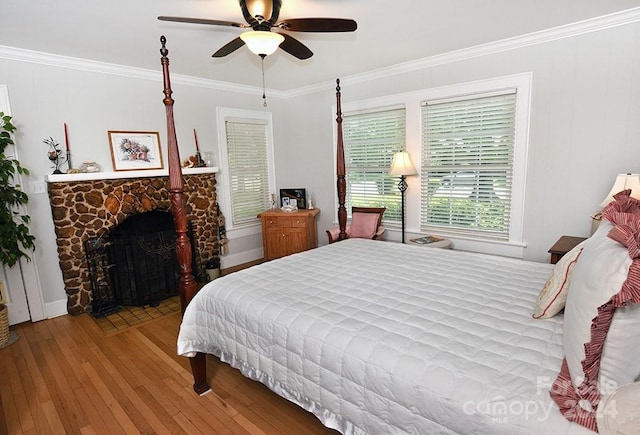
(127, 32)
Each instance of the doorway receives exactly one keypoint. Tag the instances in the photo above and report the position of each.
(20, 282)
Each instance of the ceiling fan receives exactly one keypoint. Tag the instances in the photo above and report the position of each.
(261, 40)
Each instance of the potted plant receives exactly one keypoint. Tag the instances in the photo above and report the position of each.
(15, 236)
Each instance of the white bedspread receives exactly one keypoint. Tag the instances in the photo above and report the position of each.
(384, 338)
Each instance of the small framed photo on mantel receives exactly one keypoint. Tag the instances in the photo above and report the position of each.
(289, 197)
(135, 150)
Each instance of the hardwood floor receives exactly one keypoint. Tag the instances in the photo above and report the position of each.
(64, 375)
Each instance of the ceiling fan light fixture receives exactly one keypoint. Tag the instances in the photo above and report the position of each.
(262, 43)
(259, 8)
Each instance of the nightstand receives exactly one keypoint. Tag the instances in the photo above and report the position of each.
(563, 245)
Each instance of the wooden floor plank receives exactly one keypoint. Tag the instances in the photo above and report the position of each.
(105, 392)
(12, 373)
(159, 410)
(34, 385)
(53, 418)
(9, 411)
(97, 424)
(129, 382)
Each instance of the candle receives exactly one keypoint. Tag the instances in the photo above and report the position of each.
(66, 137)
(195, 135)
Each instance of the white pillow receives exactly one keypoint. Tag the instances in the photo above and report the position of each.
(598, 276)
(553, 296)
(600, 341)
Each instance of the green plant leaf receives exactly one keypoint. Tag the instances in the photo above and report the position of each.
(15, 237)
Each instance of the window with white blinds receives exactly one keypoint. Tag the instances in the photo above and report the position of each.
(467, 165)
(370, 140)
(247, 159)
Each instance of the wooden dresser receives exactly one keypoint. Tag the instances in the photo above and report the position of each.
(285, 233)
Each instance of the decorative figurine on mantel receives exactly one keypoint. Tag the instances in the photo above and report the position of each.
(54, 155)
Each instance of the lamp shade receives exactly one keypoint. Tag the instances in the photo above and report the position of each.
(262, 43)
(401, 165)
(623, 182)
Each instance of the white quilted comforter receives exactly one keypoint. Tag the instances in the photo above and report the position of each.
(384, 338)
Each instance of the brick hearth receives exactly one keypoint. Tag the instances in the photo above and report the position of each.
(90, 208)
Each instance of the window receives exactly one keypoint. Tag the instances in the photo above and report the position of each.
(469, 142)
(246, 165)
(468, 147)
(370, 140)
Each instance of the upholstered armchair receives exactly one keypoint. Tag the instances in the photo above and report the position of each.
(366, 223)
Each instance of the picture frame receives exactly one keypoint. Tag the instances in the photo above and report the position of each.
(297, 196)
(135, 150)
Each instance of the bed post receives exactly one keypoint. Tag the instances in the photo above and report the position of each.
(187, 286)
(341, 183)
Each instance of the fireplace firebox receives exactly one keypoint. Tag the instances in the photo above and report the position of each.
(142, 251)
(135, 264)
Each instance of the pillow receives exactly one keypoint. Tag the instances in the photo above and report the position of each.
(553, 295)
(602, 316)
(363, 225)
(620, 412)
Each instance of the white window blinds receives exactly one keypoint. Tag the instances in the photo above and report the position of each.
(370, 140)
(467, 165)
(248, 169)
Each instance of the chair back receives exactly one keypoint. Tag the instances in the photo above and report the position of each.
(379, 210)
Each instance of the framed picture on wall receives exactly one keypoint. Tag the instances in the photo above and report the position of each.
(135, 150)
(295, 196)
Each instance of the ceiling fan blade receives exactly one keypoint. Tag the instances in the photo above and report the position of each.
(318, 25)
(295, 48)
(202, 21)
(229, 47)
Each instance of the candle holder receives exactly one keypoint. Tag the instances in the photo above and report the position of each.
(54, 155)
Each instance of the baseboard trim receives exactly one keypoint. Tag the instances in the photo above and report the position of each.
(55, 309)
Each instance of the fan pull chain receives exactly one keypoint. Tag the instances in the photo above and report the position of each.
(264, 97)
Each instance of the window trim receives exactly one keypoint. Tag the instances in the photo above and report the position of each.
(522, 84)
(412, 101)
(223, 182)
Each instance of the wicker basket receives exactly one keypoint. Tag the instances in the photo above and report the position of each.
(4, 326)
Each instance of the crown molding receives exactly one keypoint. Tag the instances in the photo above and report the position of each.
(58, 61)
(604, 22)
(597, 24)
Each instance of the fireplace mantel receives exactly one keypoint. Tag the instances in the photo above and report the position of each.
(89, 176)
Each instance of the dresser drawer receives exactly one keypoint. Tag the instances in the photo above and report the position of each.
(278, 221)
(298, 222)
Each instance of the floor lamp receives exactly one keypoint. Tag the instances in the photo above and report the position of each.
(401, 167)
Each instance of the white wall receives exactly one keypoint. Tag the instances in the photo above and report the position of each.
(584, 129)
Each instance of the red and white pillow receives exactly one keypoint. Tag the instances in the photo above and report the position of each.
(602, 315)
(553, 296)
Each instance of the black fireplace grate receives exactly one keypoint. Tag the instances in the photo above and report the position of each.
(146, 268)
(135, 264)
(103, 300)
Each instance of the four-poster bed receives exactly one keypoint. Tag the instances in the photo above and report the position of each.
(379, 337)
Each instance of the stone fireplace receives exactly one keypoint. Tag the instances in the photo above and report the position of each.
(90, 205)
